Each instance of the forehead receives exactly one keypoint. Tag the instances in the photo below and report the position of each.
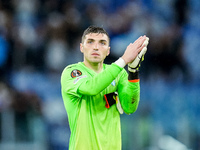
(96, 36)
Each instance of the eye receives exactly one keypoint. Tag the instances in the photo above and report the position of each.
(103, 43)
(90, 41)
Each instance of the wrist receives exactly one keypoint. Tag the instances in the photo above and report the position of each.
(124, 60)
(133, 76)
(120, 62)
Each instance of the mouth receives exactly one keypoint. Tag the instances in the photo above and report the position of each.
(95, 54)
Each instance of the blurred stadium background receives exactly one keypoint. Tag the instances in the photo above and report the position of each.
(38, 38)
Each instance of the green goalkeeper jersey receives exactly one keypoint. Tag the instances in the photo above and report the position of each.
(94, 126)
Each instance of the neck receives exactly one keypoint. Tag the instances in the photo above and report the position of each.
(97, 67)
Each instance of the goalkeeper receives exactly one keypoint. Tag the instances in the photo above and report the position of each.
(95, 94)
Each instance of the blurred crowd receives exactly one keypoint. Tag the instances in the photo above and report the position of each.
(44, 35)
(38, 38)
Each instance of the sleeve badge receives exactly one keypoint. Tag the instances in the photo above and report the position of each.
(76, 73)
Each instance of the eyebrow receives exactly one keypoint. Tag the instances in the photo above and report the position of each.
(99, 40)
(103, 41)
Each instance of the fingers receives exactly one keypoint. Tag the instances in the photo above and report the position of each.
(146, 42)
(133, 49)
(142, 40)
(139, 42)
(141, 48)
(144, 48)
(143, 51)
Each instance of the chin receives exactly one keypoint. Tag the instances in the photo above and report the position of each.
(96, 60)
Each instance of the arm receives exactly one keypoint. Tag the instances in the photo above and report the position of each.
(99, 82)
(84, 85)
(129, 92)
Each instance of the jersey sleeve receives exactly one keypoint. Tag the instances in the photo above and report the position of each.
(100, 81)
(84, 85)
(129, 92)
(69, 83)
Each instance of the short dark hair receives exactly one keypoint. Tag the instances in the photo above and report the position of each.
(95, 29)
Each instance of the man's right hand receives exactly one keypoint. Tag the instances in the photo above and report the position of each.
(133, 49)
(135, 64)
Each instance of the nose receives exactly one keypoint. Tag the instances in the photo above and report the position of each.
(96, 46)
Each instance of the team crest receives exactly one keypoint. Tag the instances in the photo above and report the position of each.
(113, 83)
(76, 73)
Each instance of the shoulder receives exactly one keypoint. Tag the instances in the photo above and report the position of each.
(71, 66)
(73, 70)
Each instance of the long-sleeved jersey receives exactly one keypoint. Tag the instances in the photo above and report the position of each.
(94, 126)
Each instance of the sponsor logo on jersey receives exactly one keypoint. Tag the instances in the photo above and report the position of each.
(76, 73)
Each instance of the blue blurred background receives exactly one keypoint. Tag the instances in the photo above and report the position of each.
(38, 38)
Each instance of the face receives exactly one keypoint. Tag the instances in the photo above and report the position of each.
(95, 47)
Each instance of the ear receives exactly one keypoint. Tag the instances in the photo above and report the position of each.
(108, 51)
(81, 47)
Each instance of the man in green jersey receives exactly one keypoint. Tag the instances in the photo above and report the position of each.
(91, 91)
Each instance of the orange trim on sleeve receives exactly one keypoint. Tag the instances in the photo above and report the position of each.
(135, 80)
